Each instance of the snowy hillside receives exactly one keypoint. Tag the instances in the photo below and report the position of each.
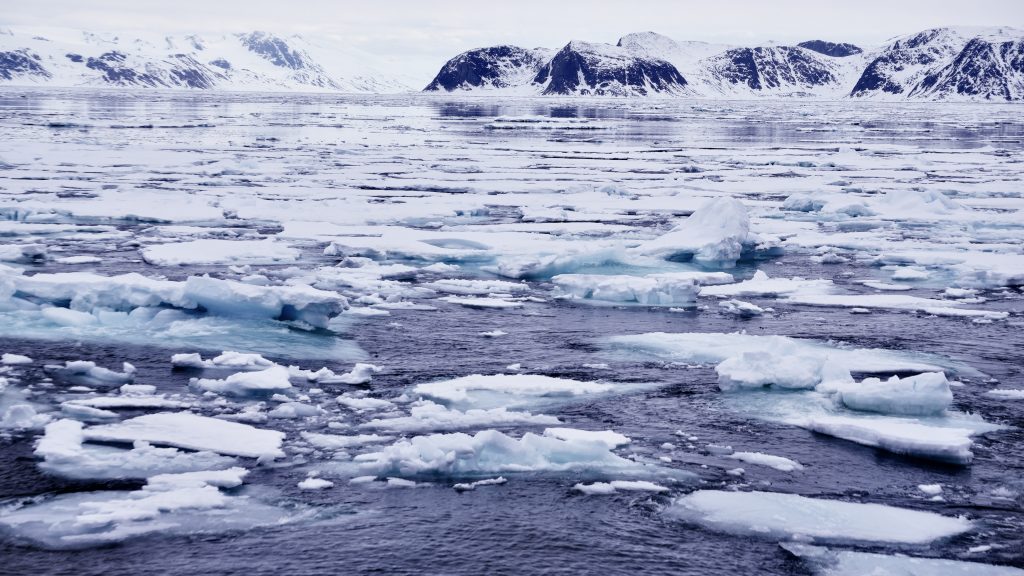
(250, 61)
(943, 63)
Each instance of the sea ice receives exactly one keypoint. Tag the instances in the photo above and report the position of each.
(488, 452)
(193, 432)
(714, 235)
(428, 415)
(827, 562)
(922, 395)
(777, 515)
(263, 382)
(507, 390)
(213, 251)
(64, 454)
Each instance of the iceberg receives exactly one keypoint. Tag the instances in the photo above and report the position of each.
(714, 235)
(926, 394)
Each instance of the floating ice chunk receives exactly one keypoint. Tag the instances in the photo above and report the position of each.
(776, 515)
(83, 292)
(494, 334)
(607, 437)
(803, 203)
(22, 252)
(507, 390)
(715, 347)
(828, 562)
(13, 359)
(22, 416)
(294, 302)
(364, 403)
(87, 413)
(215, 251)
(64, 454)
(466, 486)
(886, 286)
(137, 389)
(567, 260)
(477, 287)
(900, 436)
(905, 273)
(922, 395)
(496, 303)
(294, 410)
(133, 401)
(67, 317)
(892, 302)
(83, 259)
(193, 432)
(715, 234)
(740, 308)
(762, 285)
(651, 290)
(760, 369)
(88, 373)
(488, 452)
(777, 462)
(428, 415)
(227, 359)
(1007, 393)
(338, 442)
(361, 373)
(169, 504)
(600, 488)
(930, 489)
(315, 484)
(916, 205)
(264, 382)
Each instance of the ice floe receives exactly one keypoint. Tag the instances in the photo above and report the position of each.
(193, 432)
(778, 515)
(830, 562)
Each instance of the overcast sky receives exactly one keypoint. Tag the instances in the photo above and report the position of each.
(425, 33)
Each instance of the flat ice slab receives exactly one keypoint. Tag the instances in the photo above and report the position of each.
(849, 563)
(900, 436)
(777, 515)
(507, 390)
(194, 432)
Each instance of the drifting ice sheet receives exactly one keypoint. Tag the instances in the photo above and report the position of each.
(187, 430)
(776, 515)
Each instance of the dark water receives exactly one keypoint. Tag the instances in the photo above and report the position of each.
(536, 524)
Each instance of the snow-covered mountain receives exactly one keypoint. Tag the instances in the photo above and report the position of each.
(249, 61)
(944, 63)
(586, 68)
(494, 67)
(947, 63)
